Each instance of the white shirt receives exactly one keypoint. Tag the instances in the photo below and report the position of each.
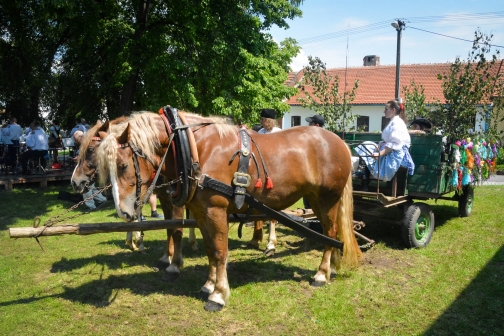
(396, 134)
(78, 127)
(273, 130)
(37, 140)
(15, 131)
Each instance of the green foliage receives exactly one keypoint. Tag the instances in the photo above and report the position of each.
(415, 103)
(326, 98)
(102, 59)
(468, 89)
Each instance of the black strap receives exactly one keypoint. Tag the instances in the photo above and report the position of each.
(293, 222)
(183, 155)
(241, 178)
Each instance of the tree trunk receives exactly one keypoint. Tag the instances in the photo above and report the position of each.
(129, 89)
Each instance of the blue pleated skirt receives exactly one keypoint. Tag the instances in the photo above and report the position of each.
(385, 168)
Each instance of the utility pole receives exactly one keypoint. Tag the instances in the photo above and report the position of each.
(399, 26)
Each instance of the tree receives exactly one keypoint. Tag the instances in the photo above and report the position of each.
(112, 57)
(468, 89)
(326, 98)
(415, 103)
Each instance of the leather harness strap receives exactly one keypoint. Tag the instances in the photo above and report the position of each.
(295, 223)
(241, 178)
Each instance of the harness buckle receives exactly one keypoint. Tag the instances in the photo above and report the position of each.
(237, 175)
(198, 180)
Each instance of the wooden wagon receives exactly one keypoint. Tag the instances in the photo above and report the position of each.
(431, 180)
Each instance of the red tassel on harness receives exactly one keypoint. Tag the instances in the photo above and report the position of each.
(258, 184)
(269, 183)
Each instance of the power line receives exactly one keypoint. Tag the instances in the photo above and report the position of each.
(385, 24)
(456, 38)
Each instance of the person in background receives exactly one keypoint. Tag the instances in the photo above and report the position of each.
(316, 120)
(420, 126)
(78, 127)
(85, 124)
(268, 122)
(37, 145)
(54, 139)
(11, 135)
(256, 127)
(392, 152)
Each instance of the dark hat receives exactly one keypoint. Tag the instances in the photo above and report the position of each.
(268, 113)
(424, 124)
(316, 119)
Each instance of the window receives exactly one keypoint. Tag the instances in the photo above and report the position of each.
(363, 124)
(295, 121)
(384, 122)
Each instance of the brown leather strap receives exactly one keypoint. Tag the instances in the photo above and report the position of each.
(190, 137)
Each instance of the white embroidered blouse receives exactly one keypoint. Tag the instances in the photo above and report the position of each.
(396, 135)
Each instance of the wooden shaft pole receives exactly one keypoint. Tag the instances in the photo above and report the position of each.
(87, 229)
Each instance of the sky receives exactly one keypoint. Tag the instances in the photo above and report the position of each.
(327, 26)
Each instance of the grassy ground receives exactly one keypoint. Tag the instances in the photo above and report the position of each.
(93, 285)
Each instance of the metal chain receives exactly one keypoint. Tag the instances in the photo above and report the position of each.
(141, 204)
(59, 218)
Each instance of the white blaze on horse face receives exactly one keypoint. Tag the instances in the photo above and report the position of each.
(115, 194)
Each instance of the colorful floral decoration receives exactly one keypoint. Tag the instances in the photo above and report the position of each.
(472, 161)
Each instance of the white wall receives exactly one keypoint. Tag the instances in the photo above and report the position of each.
(374, 112)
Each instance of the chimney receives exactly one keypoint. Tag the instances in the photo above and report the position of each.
(371, 60)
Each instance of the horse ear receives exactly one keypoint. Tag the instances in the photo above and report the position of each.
(124, 137)
(104, 127)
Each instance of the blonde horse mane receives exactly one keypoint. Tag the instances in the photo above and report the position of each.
(114, 128)
(143, 134)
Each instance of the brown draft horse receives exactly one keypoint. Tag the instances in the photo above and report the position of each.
(302, 161)
(84, 175)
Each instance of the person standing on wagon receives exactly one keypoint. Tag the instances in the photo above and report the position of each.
(393, 151)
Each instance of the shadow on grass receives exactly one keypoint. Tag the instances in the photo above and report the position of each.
(102, 292)
(475, 309)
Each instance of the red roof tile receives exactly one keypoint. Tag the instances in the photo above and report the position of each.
(377, 83)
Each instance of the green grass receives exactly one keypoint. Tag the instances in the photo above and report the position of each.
(93, 285)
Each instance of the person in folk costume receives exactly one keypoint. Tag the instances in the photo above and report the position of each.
(392, 152)
(268, 122)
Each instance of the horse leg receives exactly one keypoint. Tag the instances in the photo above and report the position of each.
(177, 261)
(192, 236)
(215, 233)
(258, 235)
(138, 239)
(131, 240)
(329, 257)
(272, 240)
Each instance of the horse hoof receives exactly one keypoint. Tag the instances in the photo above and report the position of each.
(269, 252)
(204, 296)
(253, 246)
(316, 283)
(170, 276)
(162, 264)
(213, 306)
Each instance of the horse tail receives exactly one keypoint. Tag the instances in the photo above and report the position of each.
(351, 250)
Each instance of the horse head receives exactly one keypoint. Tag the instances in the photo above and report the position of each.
(128, 161)
(84, 172)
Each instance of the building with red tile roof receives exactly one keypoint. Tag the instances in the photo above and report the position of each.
(377, 86)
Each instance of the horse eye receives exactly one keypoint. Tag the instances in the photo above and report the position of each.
(90, 149)
(124, 166)
(91, 166)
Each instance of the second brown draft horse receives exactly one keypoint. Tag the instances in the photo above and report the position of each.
(302, 162)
